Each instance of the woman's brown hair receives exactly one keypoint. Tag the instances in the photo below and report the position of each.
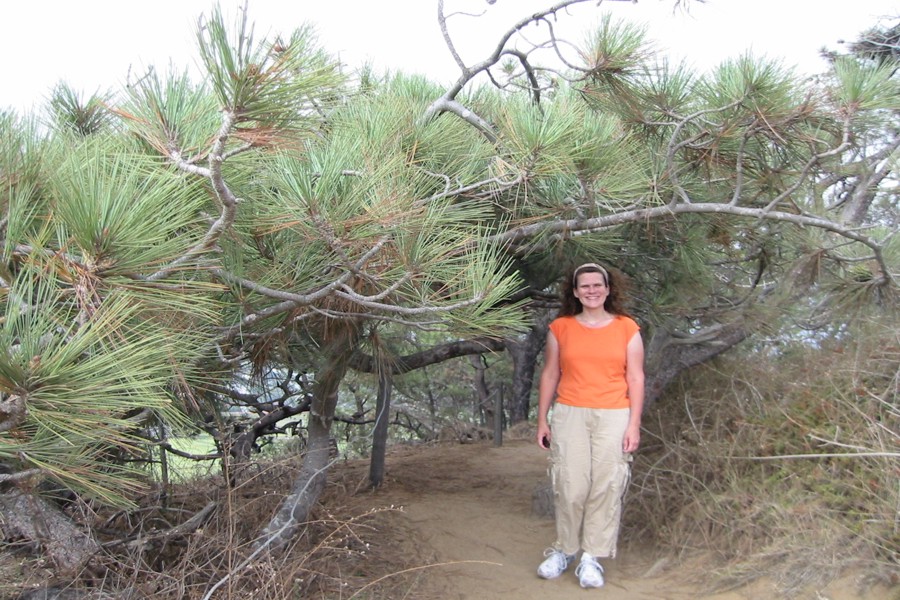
(615, 281)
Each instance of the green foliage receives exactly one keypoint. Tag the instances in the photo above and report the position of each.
(861, 87)
(117, 213)
(172, 112)
(669, 91)
(92, 348)
(88, 383)
(563, 147)
(274, 84)
(371, 183)
(20, 176)
(765, 87)
(615, 50)
(83, 118)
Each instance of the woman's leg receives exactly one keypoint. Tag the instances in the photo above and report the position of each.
(610, 473)
(570, 472)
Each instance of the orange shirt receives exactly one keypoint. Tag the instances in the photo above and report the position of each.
(592, 362)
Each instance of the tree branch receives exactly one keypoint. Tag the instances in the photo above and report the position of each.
(446, 103)
(226, 198)
(571, 227)
(365, 363)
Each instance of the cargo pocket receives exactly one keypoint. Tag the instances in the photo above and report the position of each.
(619, 485)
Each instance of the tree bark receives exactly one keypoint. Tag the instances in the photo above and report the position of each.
(485, 408)
(365, 363)
(310, 483)
(380, 433)
(32, 518)
(524, 352)
(669, 355)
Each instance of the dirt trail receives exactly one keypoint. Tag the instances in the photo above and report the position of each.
(468, 508)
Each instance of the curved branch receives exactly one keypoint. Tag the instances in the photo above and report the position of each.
(404, 364)
(571, 227)
(408, 310)
(442, 22)
(529, 73)
(226, 198)
(446, 102)
(196, 457)
(463, 189)
(279, 294)
(845, 143)
(674, 147)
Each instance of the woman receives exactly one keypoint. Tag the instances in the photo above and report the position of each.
(594, 368)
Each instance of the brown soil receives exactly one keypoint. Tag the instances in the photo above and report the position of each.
(466, 510)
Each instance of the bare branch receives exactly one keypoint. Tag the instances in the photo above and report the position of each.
(804, 172)
(409, 311)
(198, 457)
(446, 102)
(570, 227)
(529, 73)
(226, 198)
(442, 22)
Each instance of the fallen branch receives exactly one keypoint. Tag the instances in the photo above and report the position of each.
(831, 455)
(189, 526)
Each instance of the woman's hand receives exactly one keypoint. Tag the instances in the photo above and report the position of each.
(549, 380)
(632, 438)
(543, 436)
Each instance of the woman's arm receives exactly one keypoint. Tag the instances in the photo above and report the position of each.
(547, 389)
(634, 376)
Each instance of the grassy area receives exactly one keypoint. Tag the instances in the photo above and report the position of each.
(185, 469)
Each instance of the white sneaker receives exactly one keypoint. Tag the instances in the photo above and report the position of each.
(555, 564)
(589, 572)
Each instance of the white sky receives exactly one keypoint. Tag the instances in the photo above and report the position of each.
(92, 44)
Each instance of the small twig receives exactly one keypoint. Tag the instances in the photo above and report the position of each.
(836, 443)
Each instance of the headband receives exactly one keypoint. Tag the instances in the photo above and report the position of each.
(585, 266)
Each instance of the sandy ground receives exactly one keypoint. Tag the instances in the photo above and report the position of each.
(469, 513)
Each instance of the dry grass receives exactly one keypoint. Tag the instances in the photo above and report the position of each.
(785, 466)
(347, 545)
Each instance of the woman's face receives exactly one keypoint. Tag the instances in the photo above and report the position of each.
(591, 290)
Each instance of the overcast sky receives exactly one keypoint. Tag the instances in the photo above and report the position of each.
(93, 44)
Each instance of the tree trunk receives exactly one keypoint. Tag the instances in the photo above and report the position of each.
(524, 353)
(380, 434)
(310, 483)
(498, 417)
(668, 356)
(485, 408)
(30, 517)
(872, 171)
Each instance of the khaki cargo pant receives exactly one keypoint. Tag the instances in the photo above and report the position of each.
(590, 474)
